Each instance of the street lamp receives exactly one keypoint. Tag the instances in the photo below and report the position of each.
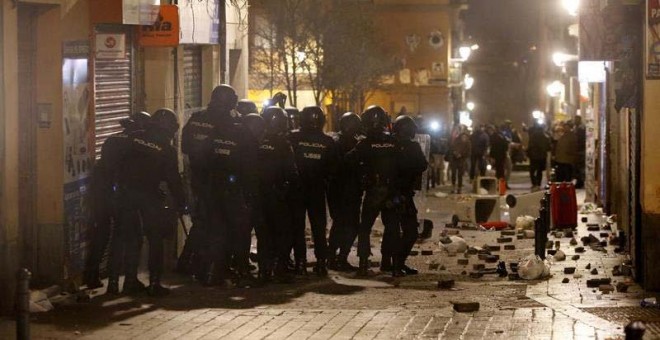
(560, 58)
(464, 52)
(555, 88)
(468, 81)
(470, 106)
(572, 6)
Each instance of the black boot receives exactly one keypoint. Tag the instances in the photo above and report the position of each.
(344, 266)
(320, 269)
(92, 279)
(409, 270)
(282, 273)
(133, 286)
(301, 267)
(386, 263)
(363, 270)
(397, 268)
(332, 262)
(155, 288)
(113, 286)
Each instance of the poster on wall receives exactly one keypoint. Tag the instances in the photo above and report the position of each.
(110, 46)
(653, 39)
(200, 21)
(78, 147)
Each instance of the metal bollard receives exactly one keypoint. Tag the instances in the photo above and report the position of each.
(23, 304)
(540, 238)
(635, 330)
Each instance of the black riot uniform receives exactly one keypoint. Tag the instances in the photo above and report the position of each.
(345, 195)
(150, 160)
(194, 138)
(245, 107)
(378, 155)
(103, 194)
(232, 184)
(316, 161)
(413, 164)
(277, 175)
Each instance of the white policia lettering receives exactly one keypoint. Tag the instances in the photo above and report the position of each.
(267, 147)
(382, 146)
(200, 136)
(204, 125)
(220, 151)
(312, 155)
(312, 145)
(148, 144)
(225, 142)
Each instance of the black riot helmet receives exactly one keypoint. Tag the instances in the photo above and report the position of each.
(166, 121)
(312, 118)
(405, 127)
(276, 120)
(294, 117)
(223, 99)
(349, 123)
(136, 121)
(254, 124)
(245, 107)
(374, 119)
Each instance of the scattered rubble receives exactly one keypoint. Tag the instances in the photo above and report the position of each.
(466, 307)
(446, 284)
(565, 280)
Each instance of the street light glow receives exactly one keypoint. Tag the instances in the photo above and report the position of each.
(435, 125)
(555, 88)
(470, 106)
(474, 47)
(537, 114)
(560, 58)
(572, 6)
(465, 52)
(468, 81)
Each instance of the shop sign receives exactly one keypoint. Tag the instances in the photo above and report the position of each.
(164, 32)
(110, 46)
(139, 12)
(653, 39)
(592, 71)
(200, 21)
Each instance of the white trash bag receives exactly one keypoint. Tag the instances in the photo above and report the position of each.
(532, 268)
(525, 222)
(453, 244)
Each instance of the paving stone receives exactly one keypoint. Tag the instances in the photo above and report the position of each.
(476, 275)
(427, 252)
(466, 307)
(595, 283)
(494, 248)
(606, 288)
(504, 240)
(579, 249)
(569, 270)
(446, 284)
(492, 258)
(622, 287)
(575, 257)
(463, 262)
(510, 247)
(478, 266)
(414, 252)
(507, 232)
(565, 280)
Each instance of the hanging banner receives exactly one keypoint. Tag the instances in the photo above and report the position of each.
(653, 39)
(164, 32)
(78, 146)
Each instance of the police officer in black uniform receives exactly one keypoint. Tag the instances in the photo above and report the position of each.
(195, 136)
(316, 160)
(378, 155)
(413, 164)
(149, 160)
(231, 152)
(277, 176)
(345, 195)
(103, 194)
(245, 107)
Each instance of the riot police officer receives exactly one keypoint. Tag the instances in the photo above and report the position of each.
(245, 107)
(277, 175)
(378, 155)
(103, 193)
(345, 195)
(231, 153)
(195, 136)
(294, 118)
(149, 160)
(413, 164)
(316, 160)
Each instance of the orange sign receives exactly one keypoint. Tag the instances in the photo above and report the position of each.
(165, 31)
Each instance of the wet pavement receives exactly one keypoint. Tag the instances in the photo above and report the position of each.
(343, 306)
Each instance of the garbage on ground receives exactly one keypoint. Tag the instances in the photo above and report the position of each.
(649, 303)
(532, 268)
(466, 307)
(453, 244)
(495, 225)
(529, 234)
(525, 222)
(589, 208)
(39, 302)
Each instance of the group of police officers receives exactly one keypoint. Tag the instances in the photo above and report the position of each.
(266, 172)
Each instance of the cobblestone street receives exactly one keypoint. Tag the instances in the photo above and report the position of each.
(380, 307)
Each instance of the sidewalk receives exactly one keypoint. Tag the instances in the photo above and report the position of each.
(343, 306)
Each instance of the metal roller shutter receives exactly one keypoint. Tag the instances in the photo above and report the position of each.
(192, 76)
(112, 95)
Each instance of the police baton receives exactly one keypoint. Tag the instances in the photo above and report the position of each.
(183, 225)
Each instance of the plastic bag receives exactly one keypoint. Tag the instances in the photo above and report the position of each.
(532, 268)
(457, 245)
(525, 222)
